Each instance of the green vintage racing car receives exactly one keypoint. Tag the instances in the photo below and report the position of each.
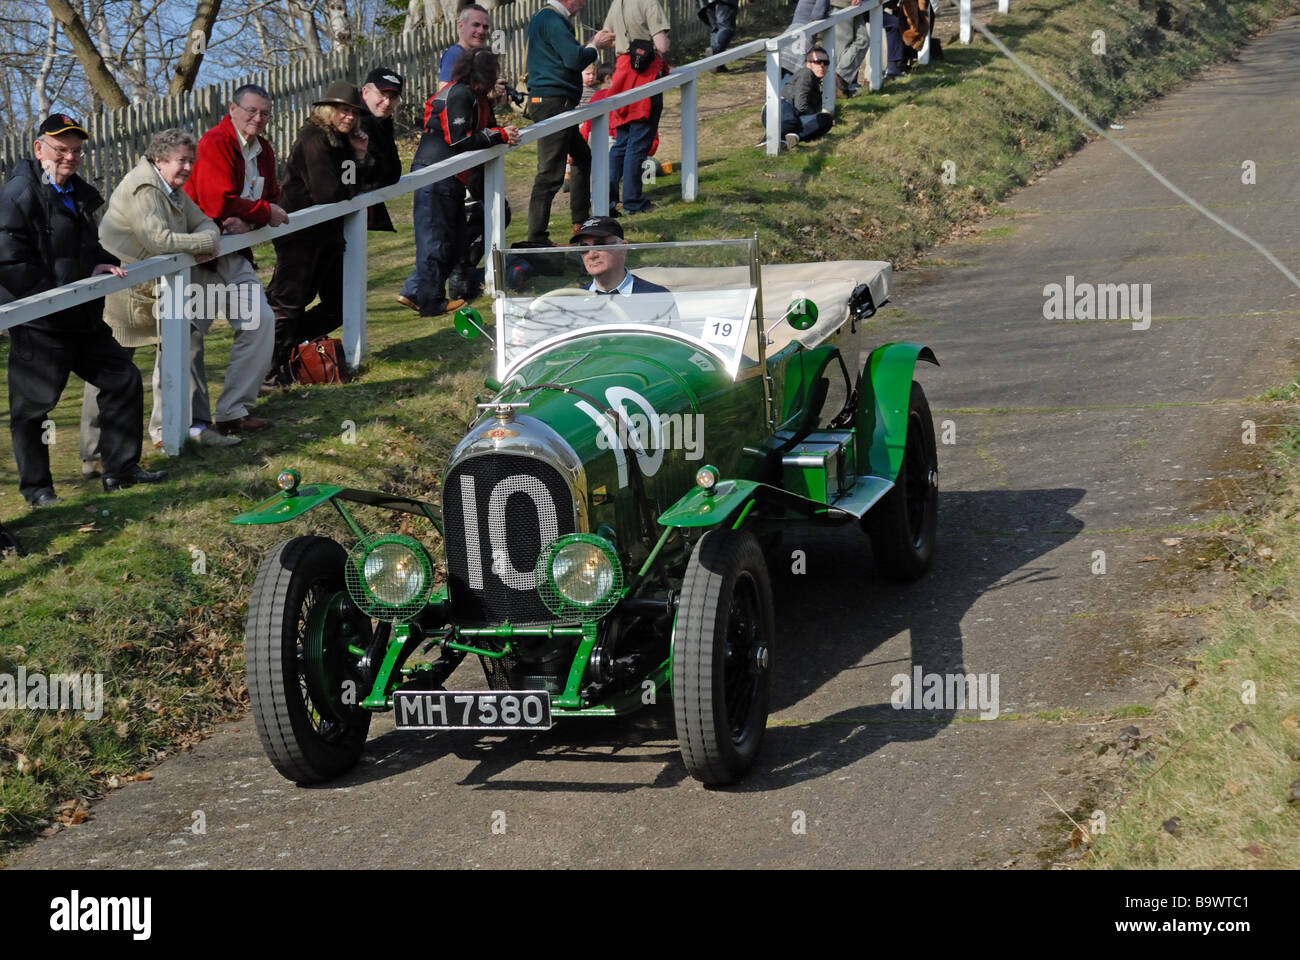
(600, 538)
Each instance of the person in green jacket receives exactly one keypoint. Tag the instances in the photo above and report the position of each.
(555, 64)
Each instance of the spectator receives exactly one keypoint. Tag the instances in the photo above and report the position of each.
(451, 9)
(907, 25)
(473, 26)
(637, 124)
(460, 120)
(382, 166)
(150, 215)
(309, 263)
(603, 75)
(720, 15)
(638, 20)
(234, 184)
(802, 116)
(555, 63)
(852, 37)
(48, 238)
(806, 11)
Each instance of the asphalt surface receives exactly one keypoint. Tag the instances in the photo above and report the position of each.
(1070, 437)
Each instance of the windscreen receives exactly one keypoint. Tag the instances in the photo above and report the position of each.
(698, 293)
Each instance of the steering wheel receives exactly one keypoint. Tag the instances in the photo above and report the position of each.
(539, 302)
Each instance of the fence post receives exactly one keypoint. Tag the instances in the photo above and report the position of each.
(1004, 6)
(690, 142)
(876, 52)
(599, 139)
(964, 34)
(175, 365)
(923, 57)
(494, 215)
(773, 138)
(826, 40)
(354, 287)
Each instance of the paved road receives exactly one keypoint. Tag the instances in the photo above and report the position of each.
(1071, 437)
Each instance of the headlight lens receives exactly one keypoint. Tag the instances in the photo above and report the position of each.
(389, 576)
(582, 573)
(579, 577)
(394, 574)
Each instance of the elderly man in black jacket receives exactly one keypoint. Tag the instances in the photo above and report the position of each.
(48, 238)
(382, 167)
(802, 116)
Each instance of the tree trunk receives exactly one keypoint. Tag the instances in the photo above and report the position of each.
(196, 45)
(340, 26)
(42, 85)
(101, 79)
(306, 26)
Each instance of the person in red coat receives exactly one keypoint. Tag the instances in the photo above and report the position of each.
(310, 263)
(234, 184)
(637, 125)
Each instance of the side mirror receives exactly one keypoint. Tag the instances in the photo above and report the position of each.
(469, 323)
(801, 314)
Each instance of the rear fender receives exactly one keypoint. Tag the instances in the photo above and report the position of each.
(883, 396)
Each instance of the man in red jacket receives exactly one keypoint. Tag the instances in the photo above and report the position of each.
(234, 183)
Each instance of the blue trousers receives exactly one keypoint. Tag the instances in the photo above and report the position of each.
(631, 147)
(721, 18)
(438, 215)
(809, 126)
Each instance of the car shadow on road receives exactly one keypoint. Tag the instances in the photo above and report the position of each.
(832, 618)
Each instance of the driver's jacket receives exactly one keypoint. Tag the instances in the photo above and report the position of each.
(455, 120)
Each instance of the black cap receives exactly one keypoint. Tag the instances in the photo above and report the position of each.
(385, 80)
(57, 123)
(601, 228)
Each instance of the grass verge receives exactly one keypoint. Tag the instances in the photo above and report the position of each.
(1215, 781)
(149, 588)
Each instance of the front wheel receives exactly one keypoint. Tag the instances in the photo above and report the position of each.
(303, 681)
(722, 657)
(902, 525)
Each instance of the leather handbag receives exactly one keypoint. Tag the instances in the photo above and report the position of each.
(319, 361)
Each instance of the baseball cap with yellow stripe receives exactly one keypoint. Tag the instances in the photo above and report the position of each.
(57, 123)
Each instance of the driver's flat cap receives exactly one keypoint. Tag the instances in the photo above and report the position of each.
(601, 228)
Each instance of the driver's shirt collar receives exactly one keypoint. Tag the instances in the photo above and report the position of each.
(624, 288)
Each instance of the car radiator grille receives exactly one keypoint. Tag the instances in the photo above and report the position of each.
(500, 510)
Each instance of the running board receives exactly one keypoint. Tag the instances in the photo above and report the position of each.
(866, 492)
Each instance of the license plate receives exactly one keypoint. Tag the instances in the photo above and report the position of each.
(472, 709)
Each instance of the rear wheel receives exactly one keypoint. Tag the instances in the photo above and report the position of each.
(902, 525)
(302, 679)
(722, 653)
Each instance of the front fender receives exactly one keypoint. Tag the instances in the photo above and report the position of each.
(290, 504)
(883, 396)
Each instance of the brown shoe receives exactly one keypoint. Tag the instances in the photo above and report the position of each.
(246, 424)
(408, 302)
(841, 88)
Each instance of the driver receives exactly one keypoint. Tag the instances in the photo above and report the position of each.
(606, 263)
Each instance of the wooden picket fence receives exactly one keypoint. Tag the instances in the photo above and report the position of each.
(119, 137)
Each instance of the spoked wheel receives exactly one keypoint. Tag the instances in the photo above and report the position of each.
(303, 679)
(722, 657)
(902, 525)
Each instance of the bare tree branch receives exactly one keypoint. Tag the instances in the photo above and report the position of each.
(99, 76)
(187, 67)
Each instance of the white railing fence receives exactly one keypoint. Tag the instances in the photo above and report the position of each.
(174, 269)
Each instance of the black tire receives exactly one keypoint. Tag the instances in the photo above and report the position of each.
(902, 525)
(722, 657)
(309, 736)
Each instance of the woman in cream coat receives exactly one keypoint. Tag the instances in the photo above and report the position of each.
(148, 215)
